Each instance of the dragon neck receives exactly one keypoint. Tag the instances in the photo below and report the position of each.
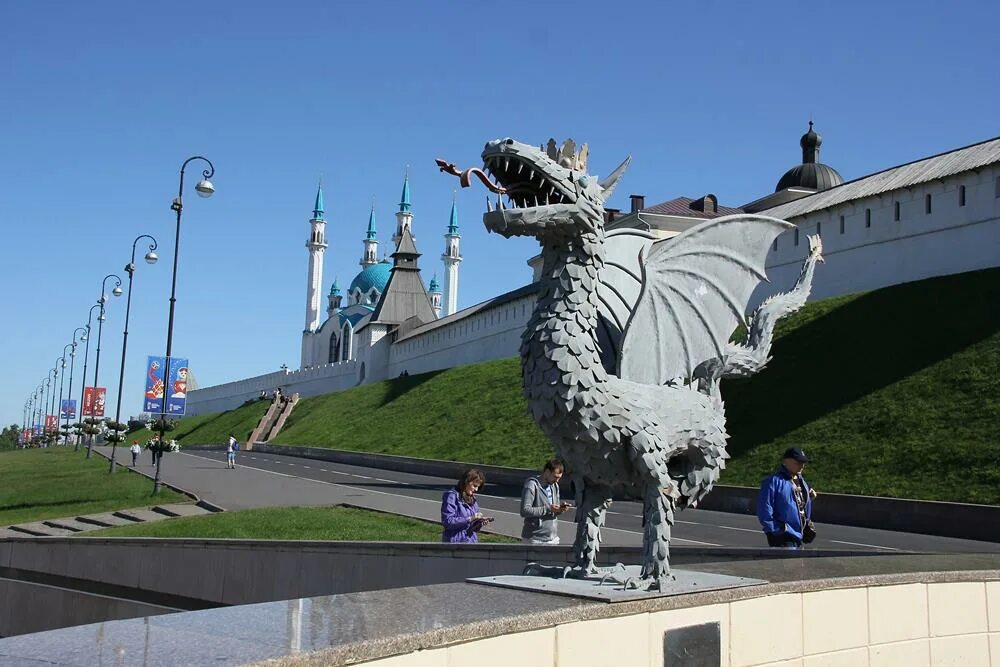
(563, 328)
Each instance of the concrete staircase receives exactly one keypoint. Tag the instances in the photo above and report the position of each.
(80, 524)
(273, 420)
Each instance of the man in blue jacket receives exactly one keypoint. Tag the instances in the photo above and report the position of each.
(784, 506)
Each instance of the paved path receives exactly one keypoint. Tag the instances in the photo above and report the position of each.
(266, 480)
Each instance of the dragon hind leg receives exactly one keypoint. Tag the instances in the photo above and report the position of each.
(658, 516)
(589, 521)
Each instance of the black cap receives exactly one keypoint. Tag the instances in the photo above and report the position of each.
(795, 453)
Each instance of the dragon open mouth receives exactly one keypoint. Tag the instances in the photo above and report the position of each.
(523, 185)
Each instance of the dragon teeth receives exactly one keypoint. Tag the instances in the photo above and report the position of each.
(506, 164)
(489, 206)
(520, 168)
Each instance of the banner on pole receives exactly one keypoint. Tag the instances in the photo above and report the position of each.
(172, 390)
(153, 402)
(36, 431)
(93, 401)
(177, 400)
(51, 423)
(67, 409)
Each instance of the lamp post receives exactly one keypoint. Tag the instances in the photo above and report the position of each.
(117, 291)
(53, 412)
(72, 363)
(204, 188)
(83, 388)
(130, 268)
(38, 406)
(62, 378)
(45, 404)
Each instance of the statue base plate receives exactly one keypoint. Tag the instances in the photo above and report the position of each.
(612, 590)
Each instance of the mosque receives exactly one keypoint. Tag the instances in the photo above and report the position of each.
(934, 216)
(407, 302)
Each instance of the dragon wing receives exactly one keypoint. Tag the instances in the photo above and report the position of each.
(619, 288)
(695, 290)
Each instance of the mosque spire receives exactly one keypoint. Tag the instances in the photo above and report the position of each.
(318, 206)
(404, 216)
(370, 243)
(453, 220)
(371, 222)
(404, 199)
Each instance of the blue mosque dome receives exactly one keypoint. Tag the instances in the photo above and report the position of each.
(376, 275)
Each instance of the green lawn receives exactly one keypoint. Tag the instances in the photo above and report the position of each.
(293, 523)
(56, 482)
(894, 392)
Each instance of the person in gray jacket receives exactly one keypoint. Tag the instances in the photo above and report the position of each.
(541, 505)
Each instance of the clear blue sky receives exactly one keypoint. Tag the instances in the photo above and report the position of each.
(100, 102)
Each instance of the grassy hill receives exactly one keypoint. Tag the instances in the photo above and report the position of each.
(894, 392)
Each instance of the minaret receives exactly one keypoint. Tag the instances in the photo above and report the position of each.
(317, 246)
(370, 254)
(452, 257)
(333, 300)
(435, 293)
(404, 217)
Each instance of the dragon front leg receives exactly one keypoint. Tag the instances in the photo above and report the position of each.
(596, 499)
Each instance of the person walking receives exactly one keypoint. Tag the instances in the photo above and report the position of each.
(541, 505)
(135, 450)
(461, 519)
(231, 450)
(784, 504)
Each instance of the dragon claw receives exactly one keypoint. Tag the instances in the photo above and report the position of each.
(816, 247)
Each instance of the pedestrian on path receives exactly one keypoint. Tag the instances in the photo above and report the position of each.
(784, 505)
(541, 505)
(135, 449)
(461, 519)
(231, 450)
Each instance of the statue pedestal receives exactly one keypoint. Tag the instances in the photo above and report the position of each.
(612, 589)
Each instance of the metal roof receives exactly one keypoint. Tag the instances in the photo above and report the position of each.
(683, 207)
(903, 176)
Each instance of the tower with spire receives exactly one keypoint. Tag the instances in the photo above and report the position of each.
(370, 254)
(404, 217)
(452, 257)
(434, 291)
(314, 291)
(333, 299)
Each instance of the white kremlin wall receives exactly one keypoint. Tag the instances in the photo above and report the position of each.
(950, 239)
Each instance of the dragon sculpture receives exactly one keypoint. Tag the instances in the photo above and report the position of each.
(629, 340)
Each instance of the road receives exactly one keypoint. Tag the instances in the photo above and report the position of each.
(263, 480)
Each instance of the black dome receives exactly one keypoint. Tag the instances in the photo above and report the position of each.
(813, 175)
(810, 174)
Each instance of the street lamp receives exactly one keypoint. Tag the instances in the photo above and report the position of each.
(49, 379)
(204, 188)
(53, 412)
(38, 406)
(72, 363)
(62, 378)
(83, 388)
(117, 291)
(130, 268)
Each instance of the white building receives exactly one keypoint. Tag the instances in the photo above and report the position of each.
(935, 216)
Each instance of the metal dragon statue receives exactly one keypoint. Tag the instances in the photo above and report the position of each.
(623, 355)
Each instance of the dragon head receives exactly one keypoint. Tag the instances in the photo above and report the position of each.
(549, 193)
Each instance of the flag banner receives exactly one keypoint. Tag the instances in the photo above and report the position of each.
(93, 401)
(51, 423)
(21, 437)
(153, 402)
(36, 431)
(67, 410)
(177, 400)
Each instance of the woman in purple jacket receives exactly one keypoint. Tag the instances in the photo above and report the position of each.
(461, 519)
